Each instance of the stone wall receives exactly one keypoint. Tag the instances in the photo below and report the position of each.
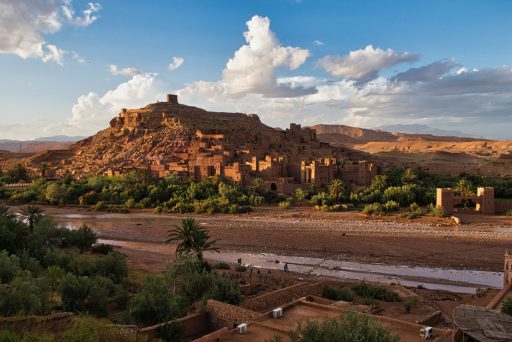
(269, 301)
(52, 323)
(227, 315)
(503, 207)
(193, 326)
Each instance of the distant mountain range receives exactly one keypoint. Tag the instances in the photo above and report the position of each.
(424, 129)
(39, 144)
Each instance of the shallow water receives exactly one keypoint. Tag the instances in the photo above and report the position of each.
(462, 281)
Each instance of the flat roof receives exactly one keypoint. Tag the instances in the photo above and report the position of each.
(266, 327)
(482, 324)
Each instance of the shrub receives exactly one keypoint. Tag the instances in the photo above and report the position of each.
(322, 198)
(436, 211)
(222, 266)
(351, 326)
(404, 194)
(391, 206)
(155, 303)
(410, 304)
(285, 204)
(9, 265)
(374, 209)
(84, 238)
(366, 290)
(102, 248)
(99, 206)
(26, 295)
(84, 294)
(112, 266)
(413, 212)
(338, 293)
(506, 307)
(224, 290)
(508, 212)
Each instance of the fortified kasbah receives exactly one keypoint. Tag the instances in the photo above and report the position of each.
(172, 138)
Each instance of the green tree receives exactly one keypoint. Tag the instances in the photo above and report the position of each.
(9, 265)
(18, 174)
(191, 238)
(84, 238)
(409, 176)
(55, 193)
(155, 303)
(464, 187)
(32, 213)
(336, 189)
(379, 182)
(351, 326)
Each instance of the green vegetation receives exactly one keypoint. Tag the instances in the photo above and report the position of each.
(49, 269)
(338, 293)
(192, 238)
(366, 290)
(349, 327)
(506, 307)
(410, 304)
(397, 187)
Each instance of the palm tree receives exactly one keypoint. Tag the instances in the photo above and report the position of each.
(336, 189)
(32, 213)
(464, 187)
(192, 238)
(379, 182)
(409, 176)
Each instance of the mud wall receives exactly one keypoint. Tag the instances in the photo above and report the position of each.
(276, 298)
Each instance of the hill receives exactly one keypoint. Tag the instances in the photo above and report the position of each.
(449, 155)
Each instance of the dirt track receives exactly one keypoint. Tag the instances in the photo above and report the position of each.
(306, 232)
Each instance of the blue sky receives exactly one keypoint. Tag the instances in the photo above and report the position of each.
(307, 62)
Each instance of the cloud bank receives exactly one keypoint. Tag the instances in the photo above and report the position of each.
(353, 92)
(25, 23)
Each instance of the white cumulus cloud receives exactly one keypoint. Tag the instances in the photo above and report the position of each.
(364, 65)
(252, 68)
(25, 23)
(116, 71)
(176, 63)
(92, 112)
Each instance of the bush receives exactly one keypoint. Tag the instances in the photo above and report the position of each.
(363, 289)
(413, 212)
(351, 326)
(26, 295)
(506, 307)
(436, 211)
(155, 303)
(374, 209)
(84, 294)
(322, 198)
(285, 204)
(508, 213)
(112, 266)
(84, 238)
(410, 304)
(338, 293)
(102, 248)
(222, 266)
(391, 206)
(9, 265)
(224, 290)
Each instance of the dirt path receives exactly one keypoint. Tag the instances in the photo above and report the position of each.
(305, 232)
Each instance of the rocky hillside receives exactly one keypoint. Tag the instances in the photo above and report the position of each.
(442, 154)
